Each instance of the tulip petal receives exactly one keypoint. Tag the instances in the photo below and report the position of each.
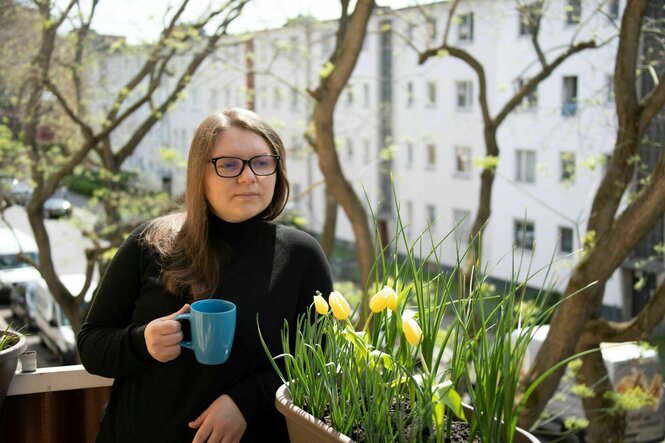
(412, 331)
(321, 305)
(339, 306)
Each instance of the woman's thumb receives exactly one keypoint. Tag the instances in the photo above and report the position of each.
(182, 310)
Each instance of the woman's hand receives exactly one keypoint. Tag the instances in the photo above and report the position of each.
(221, 422)
(163, 336)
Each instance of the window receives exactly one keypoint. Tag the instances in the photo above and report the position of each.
(349, 148)
(349, 95)
(295, 97)
(567, 161)
(530, 100)
(524, 235)
(196, 103)
(613, 9)
(462, 161)
(525, 167)
(431, 94)
(565, 240)
(409, 31)
(573, 11)
(409, 155)
(432, 27)
(462, 219)
(569, 107)
(213, 100)
(609, 84)
(430, 211)
(529, 16)
(366, 95)
(465, 27)
(326, 45)
(366, 144)
(464, 95)
(409, 94)
(293, 46)
(295, 145)
(277, 97)
(295, 194)
(431, 156)
(409, 218)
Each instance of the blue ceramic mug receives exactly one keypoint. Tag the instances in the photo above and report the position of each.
(213, 324)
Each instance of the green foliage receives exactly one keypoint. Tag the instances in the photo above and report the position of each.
(582, 391)
(86, 181)
(403, 367)
(6, 339)
(489, 162)
(326, 70)
(631, 400)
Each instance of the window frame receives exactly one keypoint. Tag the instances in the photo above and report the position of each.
(465, 171)
(465, 27)
(524, 171)
(523, 237)
(570, 241)
(566, 163)
(431, 156)
(464, 91)
(569, 95)
(573, 10)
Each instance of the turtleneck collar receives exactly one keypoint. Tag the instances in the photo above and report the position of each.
(232, 233)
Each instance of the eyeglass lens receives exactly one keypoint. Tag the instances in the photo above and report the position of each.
(232, 167)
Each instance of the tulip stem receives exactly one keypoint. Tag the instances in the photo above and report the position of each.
(422, 360)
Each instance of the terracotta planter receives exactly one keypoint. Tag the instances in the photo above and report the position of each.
(304, 428)
(8, 361)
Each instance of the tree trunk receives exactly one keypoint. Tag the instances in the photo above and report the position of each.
(616, 236)
(604, 427)
(350, 34)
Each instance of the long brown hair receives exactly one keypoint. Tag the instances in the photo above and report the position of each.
(190, 262)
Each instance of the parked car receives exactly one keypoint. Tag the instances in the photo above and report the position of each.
(22, 304)
(56, 207)
(19, 192)
(13, 271)
(54, 326)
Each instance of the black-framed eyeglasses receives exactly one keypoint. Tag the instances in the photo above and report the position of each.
(230, 167)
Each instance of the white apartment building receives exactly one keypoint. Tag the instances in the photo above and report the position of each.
(424, 122)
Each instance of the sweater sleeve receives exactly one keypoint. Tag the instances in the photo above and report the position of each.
(109, 344)
(257, 392)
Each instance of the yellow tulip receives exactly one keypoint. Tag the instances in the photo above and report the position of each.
(392, 298)
(412, 331)
(321, 305)
(379, 301)
(340, 307)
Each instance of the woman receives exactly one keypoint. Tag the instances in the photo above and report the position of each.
(222, 246)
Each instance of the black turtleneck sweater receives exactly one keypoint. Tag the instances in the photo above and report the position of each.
(274, 271)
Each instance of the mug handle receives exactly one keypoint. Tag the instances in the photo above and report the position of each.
(184, 320)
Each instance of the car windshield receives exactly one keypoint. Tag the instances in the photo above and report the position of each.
(10, 261)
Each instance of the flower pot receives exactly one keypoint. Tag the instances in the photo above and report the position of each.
(8, 360)
(305, 428)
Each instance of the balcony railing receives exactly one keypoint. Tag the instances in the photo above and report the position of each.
(60, 404)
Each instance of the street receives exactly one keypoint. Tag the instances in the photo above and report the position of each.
(67, 247)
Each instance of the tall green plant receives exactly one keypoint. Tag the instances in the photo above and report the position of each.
(427, 336)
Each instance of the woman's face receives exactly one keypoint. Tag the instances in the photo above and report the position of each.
(240, 198)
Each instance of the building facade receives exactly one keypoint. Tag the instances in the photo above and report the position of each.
(420, 126)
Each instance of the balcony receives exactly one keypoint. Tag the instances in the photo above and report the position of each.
(59, 404)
